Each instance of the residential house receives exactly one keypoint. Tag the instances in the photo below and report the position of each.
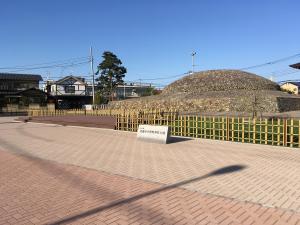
(295, 66)
(20, 89)
(69, 92)
(291, 87)
(133, 90)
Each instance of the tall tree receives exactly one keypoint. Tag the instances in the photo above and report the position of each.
(111, 74)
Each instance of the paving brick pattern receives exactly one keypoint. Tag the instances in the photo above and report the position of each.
(36, 191)
(270, 176)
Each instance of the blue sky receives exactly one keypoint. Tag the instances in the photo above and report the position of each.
(152, 38)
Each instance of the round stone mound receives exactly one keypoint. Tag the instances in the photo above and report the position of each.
(219, 80)
(218, 91)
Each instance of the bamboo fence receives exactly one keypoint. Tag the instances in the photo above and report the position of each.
(269, 131)
(98, 112)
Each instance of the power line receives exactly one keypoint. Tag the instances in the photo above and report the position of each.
(245, 68)
(84, 60)
(46, 63)
(286, 72)
(165, 78)
(51, 66)
(272, 62)
(284, 81)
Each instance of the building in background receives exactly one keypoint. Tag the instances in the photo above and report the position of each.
(69, 92)
(133, 90)
(21, 90)
(291, 87)
(295, 66)
(73, 92)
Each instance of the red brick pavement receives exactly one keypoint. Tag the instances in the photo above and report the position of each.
(36, 191)
(271, 175)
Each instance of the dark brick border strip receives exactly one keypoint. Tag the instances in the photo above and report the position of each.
(108, 122)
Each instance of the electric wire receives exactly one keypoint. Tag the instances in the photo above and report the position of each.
(46, 63)
(272, 62)
(84, 60)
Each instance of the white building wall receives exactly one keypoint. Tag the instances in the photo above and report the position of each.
(60, 89)
(290, 87)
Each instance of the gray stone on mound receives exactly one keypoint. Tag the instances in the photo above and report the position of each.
(220, 80)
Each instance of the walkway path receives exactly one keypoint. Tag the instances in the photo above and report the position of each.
(194, 181)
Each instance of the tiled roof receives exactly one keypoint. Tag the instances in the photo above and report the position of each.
(18, 76)
(296, 66)
(295, 83)
(14, 92)
(80, 79)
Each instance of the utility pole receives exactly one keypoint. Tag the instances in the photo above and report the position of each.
(193, 61)
(93, 74)
(47, 82)
(124, 90)
(140, 87)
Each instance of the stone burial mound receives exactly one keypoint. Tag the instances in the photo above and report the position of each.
(217, 91)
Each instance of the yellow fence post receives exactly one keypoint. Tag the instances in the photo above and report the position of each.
(232, 129)
(243, 130)
(227, 129)
(266, 131)
(204, 126)
(292, 133)
(254, 131)
(196, 126)
(284, 132)
(214, 128)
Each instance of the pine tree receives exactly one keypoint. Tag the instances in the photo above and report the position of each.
(111, 74)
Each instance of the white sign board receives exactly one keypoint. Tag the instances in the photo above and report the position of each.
(88, 107)
(158, 134)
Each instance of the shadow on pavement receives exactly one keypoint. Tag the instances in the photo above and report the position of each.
(54, 169)
(66, 176)
(224, 170)
(178, 139)
(21, 130)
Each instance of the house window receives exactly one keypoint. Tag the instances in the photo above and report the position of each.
(4, 86)
(70, 89)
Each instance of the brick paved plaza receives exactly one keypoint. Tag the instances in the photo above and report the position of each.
(52, 174)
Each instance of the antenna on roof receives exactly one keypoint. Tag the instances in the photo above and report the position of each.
(193, 61)
(48, 75)
(272, 77)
